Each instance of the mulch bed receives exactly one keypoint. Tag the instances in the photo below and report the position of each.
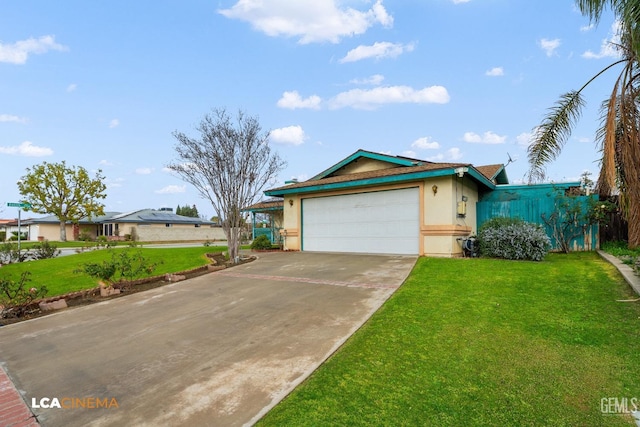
(92, 296)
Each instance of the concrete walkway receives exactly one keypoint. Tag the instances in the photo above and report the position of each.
(220, 349)
(625, 270)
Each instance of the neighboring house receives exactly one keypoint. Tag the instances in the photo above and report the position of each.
(10, 226)
(148, 225)
(377, 203)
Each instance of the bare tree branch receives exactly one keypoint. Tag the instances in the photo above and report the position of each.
(229, 165)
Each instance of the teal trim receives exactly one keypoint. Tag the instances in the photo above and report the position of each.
(258, 210)
(367, 154)
(380, 180)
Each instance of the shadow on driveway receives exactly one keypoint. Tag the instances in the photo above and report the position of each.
(219, 349)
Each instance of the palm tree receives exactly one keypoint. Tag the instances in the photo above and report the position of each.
(619, 135)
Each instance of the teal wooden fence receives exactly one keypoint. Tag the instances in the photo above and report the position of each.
(530, 202)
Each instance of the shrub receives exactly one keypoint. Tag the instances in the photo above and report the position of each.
(15, 297)
(85, 236)
(44, 250)
(123, 265)
(261, 243)
(513, 239)
(9, 253)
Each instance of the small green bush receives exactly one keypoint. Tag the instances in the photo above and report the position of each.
(15, 297)
(515, 239)
(44, 250)
(261, 243)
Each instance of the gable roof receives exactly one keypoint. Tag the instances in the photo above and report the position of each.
(272, 204)
(496, 173)
(394, 160)
(402, 169)
(148, 216)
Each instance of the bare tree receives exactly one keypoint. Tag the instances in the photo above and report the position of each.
(229, 164)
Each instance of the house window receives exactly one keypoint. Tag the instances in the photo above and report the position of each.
(168, 225)
(197, 225)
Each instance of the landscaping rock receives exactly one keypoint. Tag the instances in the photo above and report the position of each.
(107, 291)
(53, 305)
(174, 277)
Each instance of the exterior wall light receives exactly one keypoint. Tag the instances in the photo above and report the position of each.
(434, 189)
(290, 202)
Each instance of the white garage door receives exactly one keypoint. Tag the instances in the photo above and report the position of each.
(378, 222)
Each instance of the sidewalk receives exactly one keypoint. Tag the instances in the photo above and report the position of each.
(13, 411)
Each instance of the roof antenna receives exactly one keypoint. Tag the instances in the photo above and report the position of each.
(510, 160)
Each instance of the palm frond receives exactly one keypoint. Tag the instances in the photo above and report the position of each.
(551, 135)
(608, 134)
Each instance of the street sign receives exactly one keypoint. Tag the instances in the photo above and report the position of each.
(19, 205)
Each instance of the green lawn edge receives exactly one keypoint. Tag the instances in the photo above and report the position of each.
(484, 342)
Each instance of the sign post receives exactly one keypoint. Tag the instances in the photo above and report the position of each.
(20, 206)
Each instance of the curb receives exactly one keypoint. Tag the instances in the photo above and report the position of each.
(627, 272)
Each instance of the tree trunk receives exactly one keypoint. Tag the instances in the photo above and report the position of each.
(633, 222)
(63, 231)
(233, 241)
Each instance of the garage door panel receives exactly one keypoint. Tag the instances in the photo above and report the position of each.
(376, 222)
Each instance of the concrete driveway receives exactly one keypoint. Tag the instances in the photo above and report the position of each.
(220, 349)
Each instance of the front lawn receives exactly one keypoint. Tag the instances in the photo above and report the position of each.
(484, 342)
(59, 276)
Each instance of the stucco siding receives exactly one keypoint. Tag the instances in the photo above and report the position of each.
(177, 232)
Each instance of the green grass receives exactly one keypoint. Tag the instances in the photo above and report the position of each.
(483, 342)
(620, 249)
(58, 274)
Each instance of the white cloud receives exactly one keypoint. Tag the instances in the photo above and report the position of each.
(424, 143)
(378, 50)
(549, 46)
(460, 1)
(310, 21)
(409, 153)
(293, 100)
(172, 189)
(290, 135)
(373, 80)
(586, 28)
(524, 139)
(114, 183)
(608, 47)
(114, 123)
(11, 118)
(452, 154)
(18, 52)
(486, 138)
(27, 149)
(72, 87)
(144, 171)
(105, 162)
(372, 98)
(495, 72)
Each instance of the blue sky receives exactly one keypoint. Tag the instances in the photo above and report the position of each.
(104, 84)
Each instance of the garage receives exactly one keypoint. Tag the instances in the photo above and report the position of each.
(374, 222)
